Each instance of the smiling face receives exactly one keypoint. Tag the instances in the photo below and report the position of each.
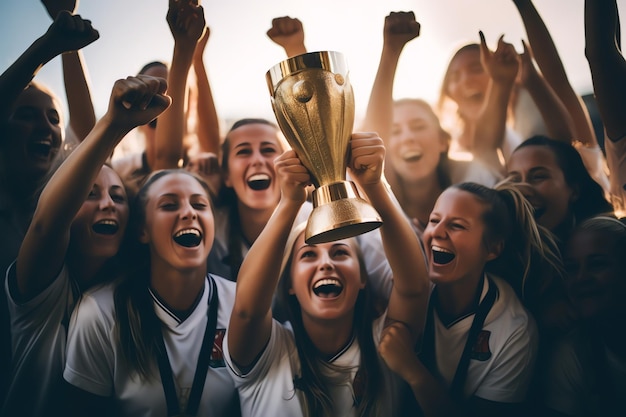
(34, 134)
(98, 227)
(325, 278)
(416, 142)
(467, 83)
(179, 224)
(596, 278)
(541, 180)
(454, 239)
(251, 153)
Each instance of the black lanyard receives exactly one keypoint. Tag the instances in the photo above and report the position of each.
(428, 354)
(167, 379)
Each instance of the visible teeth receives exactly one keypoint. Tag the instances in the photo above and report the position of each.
(259, 177)
(412, 155)
(109, 222)
(327, 281)
(440, 249)
(187, 232)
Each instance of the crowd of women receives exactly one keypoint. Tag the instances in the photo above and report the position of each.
(177, 280)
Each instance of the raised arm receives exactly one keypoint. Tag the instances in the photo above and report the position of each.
(400, 28)
(552, 68)
(409, 296)
(134, 101)
(66, 33)
(553, 112)
(251, 319)
(502, 66)
(186, 22)
(288, 32)
(607, 65)
(208, 125)
(82, 115)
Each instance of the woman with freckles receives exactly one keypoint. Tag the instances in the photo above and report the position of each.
(325, 361)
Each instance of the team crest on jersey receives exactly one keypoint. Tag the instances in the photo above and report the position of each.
(217, 354)
(481, 351)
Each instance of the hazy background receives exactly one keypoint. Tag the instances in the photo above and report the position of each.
(134, 32)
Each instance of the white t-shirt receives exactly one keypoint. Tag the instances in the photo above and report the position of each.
(268, 389)
(502, 361)
(38, 329)
(95, 363)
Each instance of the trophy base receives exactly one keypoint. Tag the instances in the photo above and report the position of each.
(339, 213)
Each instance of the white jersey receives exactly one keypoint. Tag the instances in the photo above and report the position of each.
(502, 360)
(268, 389)
(95, 363)
(38, 330)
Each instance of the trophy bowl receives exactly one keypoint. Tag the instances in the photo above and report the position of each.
(313, 102)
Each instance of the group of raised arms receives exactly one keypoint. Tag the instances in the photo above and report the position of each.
(176, 280)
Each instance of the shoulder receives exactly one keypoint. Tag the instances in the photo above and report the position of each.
(509, 312)
(96, 305)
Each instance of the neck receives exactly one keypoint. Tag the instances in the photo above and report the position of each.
(329, 337)
(253, 221)
(459, 298)
(178, 289)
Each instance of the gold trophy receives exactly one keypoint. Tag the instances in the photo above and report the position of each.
(313, 102)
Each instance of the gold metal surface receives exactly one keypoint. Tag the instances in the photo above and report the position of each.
(313, 102)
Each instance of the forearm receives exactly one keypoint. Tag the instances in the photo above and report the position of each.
(554, 114)
(430, 394)
(379, 113)
(551, 66)
(607, 65)
(82, 114)
(251, 318)
(409, 296)
(208, 128)
(15, 78)
(490, 128)
(171, 127)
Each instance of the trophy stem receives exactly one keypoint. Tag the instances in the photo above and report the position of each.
(339, 213)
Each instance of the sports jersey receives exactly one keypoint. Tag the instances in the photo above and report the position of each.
(502, 359)
(269, 389)
(95, 363)
(38, 329)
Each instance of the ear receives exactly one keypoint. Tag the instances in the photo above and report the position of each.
(495, 250)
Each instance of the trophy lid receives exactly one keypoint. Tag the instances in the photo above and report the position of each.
(332, 61)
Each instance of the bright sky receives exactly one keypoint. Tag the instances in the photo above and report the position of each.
(238, 54)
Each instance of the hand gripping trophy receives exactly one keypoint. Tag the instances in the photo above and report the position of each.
(314, 105)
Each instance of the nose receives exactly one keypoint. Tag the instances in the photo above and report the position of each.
(438, 230)
(325, 263)
(188, 212)
(107, 203)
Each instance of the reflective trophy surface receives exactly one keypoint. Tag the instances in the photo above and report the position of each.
(313, 102)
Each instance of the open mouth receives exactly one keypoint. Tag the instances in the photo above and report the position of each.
(412, 156)
(442, 256)
(327, 288)
(105, 227)
(188, 238)
(259, 182)
(40, 148)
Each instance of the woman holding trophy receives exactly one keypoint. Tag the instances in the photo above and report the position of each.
(326, 361)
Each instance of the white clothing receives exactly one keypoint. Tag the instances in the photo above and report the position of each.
(268, 389)
(39, 331)
(503, 357)
(95, 363)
